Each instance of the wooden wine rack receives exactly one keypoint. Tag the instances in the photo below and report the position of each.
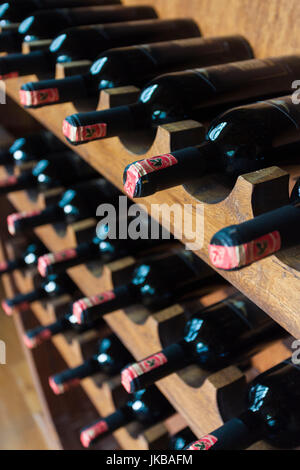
(201, 400)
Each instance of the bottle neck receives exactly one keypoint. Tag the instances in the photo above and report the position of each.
(236, 434)
(144, 373)
(22, 221)
(242, 244)
(229, 332)
(14, 183)
(101, 250)
(9, 266)
(21, 302)
(36, 336)
(44, 92)
(70, 378)
(145, 177)
(56, 263)
(39, 62)
(85, 127)
(90, 309)
(91, 434)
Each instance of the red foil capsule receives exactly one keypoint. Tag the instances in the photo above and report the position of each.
(205, 443)
(88, 435)
(84, 133)
(39, 97)
(83, 304)
(34, 341)
(13, 218)
(139, 368)
(61, 388)
(232, 257)
(137, 172)
(51, 258)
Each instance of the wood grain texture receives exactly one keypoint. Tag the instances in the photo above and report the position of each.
(271, 26)
(22, 409)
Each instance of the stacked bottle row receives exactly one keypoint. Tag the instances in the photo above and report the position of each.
(229, 332)
(179, 80)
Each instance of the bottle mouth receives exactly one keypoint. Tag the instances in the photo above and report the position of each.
(205, 443)
(88, 435)
(61, 387)
(31, 97)
(34, 340)
(4, 266)
(46, 262)
(13, 220)
(228, 251)
(223, 249)
(9, 307)
(136, 179)
(81, 306)
(77, 134)
(43, 264)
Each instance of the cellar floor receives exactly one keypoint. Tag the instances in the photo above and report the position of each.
(21, 414)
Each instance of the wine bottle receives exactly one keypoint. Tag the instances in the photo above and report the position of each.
(146, 407)
(155, 283)
(14, 11)
(52, 287)
(239, 245)
(226, 333)
(102, 249)
(46, 24)
(49, 23)
(30, 148)
(181, 439)
(66, 324)
(27, 259)
(77, 203)
(241, 140)
(198, 94)
(136, 65)
(111, 356)
(59, 169)
(87, 42)
(271, 414)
